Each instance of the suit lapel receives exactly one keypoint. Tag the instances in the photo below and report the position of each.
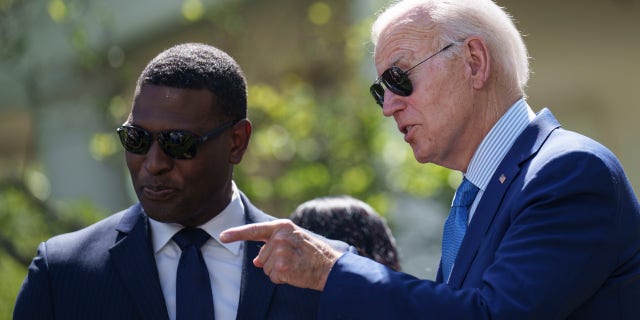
(132, 256)
(527, 144)
(256, 289)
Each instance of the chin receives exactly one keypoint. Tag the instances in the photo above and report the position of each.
(158, 213)
(159, 217)
(420, 158)
(423, 161)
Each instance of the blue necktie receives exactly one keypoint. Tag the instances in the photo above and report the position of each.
(194, 299)
(456, 225)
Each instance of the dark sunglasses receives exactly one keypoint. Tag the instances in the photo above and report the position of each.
(396, 80)
(178, 144)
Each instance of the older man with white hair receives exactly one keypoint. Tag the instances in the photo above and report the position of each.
(545, 224)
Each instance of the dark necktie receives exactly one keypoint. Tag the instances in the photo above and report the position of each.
(456, 225)
(194, 299)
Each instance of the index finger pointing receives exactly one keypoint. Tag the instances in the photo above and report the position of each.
(256, 232)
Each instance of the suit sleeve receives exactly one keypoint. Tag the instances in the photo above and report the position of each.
(360, 288)
(34, 299)
(565, 229)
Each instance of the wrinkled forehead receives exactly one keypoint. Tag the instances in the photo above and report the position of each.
(408, 22)
(402, 42)
(405, 14)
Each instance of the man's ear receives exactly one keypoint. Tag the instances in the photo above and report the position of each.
(240, 135)
(479, 61)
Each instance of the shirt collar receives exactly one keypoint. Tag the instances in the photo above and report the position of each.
(497, 143)
(231, 216)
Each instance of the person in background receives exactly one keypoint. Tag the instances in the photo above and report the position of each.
(545, 224)
(353, 221)
(162, 258)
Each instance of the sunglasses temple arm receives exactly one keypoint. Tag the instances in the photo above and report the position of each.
(218, 131)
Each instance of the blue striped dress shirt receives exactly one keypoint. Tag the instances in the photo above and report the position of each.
(495, 146)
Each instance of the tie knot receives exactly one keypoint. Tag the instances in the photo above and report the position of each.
(465, 194)
(191, 237)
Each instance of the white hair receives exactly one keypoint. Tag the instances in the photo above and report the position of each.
(455, 20)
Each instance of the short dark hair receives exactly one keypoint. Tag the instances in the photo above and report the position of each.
(353, 221)
(200, 66)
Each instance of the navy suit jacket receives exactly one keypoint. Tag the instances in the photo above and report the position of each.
(108, 271)
(556, 235)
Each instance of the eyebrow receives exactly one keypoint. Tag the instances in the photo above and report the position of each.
(400, 58)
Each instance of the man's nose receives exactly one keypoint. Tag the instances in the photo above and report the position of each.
(391, 103)
(156, 160)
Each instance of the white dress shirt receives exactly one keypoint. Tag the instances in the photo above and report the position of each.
(224, 260)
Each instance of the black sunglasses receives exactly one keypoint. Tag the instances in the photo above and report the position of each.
(396, 80)
(178, 144)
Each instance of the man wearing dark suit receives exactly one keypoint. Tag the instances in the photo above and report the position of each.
(549, 227)
(187, 128)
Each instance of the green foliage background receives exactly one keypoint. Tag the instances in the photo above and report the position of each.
(316, 132)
